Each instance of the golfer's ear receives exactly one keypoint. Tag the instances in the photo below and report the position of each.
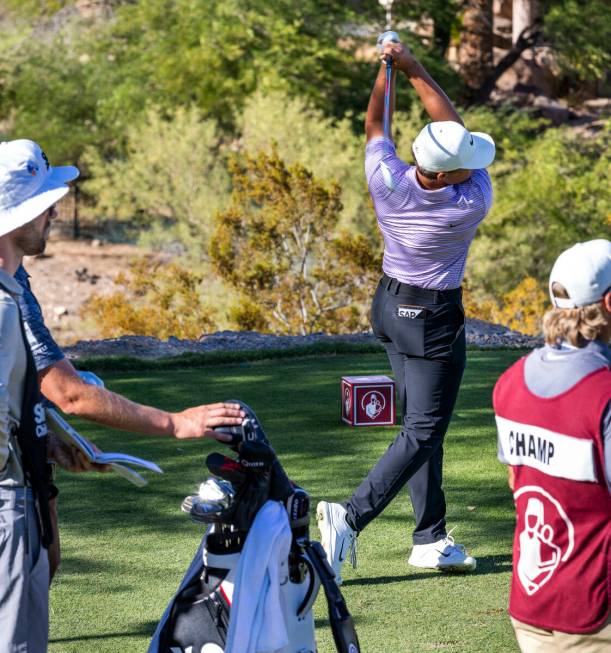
(441, 176)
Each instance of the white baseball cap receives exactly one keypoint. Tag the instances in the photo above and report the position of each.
(28, 183)
(447, 145)
(584, 271)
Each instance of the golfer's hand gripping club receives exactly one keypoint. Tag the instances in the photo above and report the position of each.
(383, 39)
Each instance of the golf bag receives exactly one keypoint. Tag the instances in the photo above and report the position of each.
(197, 619)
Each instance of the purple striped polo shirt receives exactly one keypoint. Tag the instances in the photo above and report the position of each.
(427, 233)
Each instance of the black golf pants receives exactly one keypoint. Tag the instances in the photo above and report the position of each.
(424, 335)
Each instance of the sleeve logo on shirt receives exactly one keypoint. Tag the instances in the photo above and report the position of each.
(411, 312)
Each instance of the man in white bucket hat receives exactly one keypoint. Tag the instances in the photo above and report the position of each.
(29, 189)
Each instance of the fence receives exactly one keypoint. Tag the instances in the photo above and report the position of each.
(67, 221)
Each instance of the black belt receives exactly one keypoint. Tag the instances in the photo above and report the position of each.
(427, 295)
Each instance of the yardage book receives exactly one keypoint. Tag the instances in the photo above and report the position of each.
(120, 462)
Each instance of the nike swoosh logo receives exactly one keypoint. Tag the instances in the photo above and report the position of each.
(341, 553)
(445, 555)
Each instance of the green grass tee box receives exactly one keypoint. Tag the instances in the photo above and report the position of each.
(126, 549)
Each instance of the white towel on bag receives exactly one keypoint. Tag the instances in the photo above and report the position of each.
(256, 622)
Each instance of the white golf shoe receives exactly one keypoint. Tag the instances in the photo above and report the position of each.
(337, 537)
(443, 554)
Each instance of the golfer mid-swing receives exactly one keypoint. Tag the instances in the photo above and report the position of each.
(428, 215)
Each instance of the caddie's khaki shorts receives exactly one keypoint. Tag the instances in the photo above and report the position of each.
(537, 640)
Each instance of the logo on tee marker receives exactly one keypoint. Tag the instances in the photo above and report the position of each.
(411, 312)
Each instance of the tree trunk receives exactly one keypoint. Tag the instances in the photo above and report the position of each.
(524, 14)
(441, 37)
(527, 39)
(475, 51)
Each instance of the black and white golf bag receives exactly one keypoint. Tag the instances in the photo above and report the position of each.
(197, 619)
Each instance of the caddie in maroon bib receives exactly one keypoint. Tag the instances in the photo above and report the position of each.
(562, 542)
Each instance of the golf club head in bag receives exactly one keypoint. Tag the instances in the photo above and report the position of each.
(246, 483)
(251, 431)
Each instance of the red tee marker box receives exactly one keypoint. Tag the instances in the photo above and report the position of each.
(368, 400)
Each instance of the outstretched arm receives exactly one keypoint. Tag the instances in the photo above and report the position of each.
(62, 385)
(374, 122)
(436, 103)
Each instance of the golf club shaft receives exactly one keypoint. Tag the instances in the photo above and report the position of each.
(387, 97)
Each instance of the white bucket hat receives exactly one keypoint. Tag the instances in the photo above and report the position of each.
(28, 184)
(447, 145)
(584, 271)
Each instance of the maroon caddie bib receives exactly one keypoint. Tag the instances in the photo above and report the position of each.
(562, 542)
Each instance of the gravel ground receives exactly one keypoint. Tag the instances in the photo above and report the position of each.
(480, 334)
(66, 276)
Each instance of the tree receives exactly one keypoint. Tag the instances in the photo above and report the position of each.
(169, 184)
(48, 92)
(524, 14)
(275, 245)
(215, 54)
(548, 197)
(575, 30)
(104, 75)
(527, 39)
(475, 51)
(31, 7)
(579, 32)
(303, 134)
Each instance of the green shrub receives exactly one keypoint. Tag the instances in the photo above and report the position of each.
(580, 32)
(156, 299)
(275, 245)
(50, 89)
(521, 308)
(170, 183)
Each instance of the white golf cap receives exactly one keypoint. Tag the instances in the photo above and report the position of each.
(28, 184)
(446, 146)
(584, 271)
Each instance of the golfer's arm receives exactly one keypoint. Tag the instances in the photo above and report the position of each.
(435, 102)
(62, 385)
(374, 122)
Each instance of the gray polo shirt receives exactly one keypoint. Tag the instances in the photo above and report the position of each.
(13, 365)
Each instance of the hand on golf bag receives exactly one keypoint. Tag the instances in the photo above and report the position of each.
(246, 483)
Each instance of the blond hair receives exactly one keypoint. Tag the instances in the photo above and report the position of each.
(573, 325)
